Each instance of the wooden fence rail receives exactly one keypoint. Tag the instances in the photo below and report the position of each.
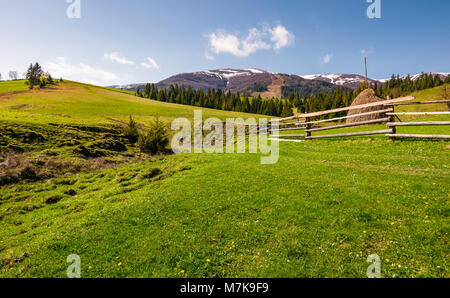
(394, 124)
(386, 111)
(419, 102)
(376, 121)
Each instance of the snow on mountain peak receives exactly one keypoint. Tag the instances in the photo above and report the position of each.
(228, 73)
(337, 79)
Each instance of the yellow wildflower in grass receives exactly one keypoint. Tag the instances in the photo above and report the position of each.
(182, 271)
(120, 264)
(392, 223)
(208, 261)
(90, 267)
(365, 232)
(387, 260)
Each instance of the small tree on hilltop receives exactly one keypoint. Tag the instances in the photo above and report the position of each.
(33, 75)
(42, 82)
(156, 139)
(130, 131)
(13, 75)
(48, 78)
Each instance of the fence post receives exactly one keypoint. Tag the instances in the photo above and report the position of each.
(308, 127)
(392, 119)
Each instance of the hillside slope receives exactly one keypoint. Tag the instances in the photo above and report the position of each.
(72, 102)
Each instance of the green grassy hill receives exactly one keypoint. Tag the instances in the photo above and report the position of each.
(319, 212)
(71, 102)
(12, 86)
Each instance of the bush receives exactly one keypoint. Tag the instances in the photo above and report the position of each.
(156, 139)
(130, 131)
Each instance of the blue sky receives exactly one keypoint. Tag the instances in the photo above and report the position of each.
(117, 42)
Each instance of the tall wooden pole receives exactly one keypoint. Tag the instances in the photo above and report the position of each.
(365, 62)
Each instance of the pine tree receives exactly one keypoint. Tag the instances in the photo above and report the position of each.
(33, 75)
(131, 131)
(287, 110)
(50, 79)
(147, 90)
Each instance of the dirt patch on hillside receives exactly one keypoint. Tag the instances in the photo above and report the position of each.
(274, 89)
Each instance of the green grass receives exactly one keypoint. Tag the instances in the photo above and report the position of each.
(12, 86)
(72, 102)
(319, 212)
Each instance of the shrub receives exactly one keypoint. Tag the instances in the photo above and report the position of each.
(130, 131)
(156, 139)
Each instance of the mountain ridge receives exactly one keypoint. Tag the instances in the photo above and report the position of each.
(268, 84)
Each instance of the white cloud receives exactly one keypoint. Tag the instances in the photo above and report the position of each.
(327, 58)
(266, 39)
(221, 42)
(115, 57)
(368, 51)
(150, 64)
(79, 72)
(281, 37)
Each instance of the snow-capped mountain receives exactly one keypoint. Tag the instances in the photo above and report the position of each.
(248, 81)
(442, 75)
(133, 87)
(266, 83)
(235, 80)
(228, 73)
(347, 80)
(353, 81)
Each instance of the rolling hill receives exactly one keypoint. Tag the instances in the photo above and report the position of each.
(72, 102)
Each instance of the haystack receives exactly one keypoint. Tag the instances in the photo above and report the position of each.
(365, 97)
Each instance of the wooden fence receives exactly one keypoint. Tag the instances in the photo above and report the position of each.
(386, 112)
(393, 116)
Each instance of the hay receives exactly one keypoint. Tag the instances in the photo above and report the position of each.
(365, 97)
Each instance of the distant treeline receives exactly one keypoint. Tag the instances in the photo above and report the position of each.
(341, 97)
(217, 99)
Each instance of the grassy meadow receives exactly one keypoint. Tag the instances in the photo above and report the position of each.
(71, 102)
(319, 212)
(12, 86)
